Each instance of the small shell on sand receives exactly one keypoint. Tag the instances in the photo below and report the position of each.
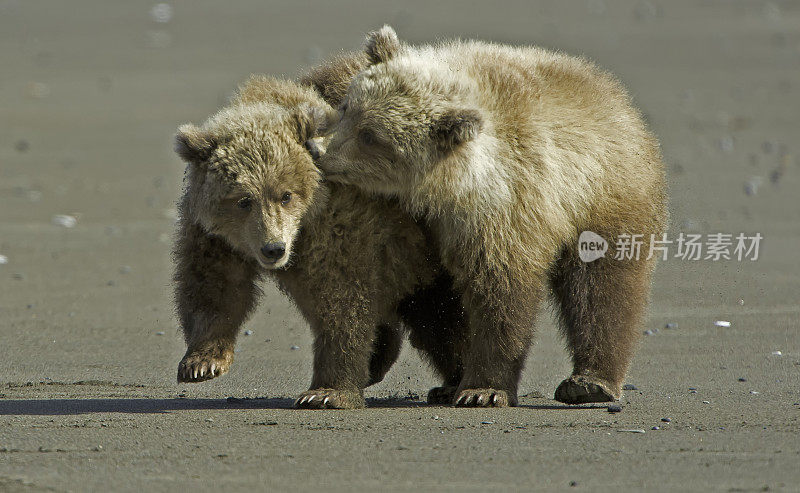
(722, 323)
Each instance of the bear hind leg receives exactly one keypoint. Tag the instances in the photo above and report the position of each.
(342, 359)
(386, 349)
(438, 329)
(601, 305)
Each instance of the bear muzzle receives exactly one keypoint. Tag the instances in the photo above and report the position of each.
(274, 251)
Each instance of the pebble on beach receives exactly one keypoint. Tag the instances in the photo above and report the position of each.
(22, 145)
(751, 186)
(3, 260)
(37, 90)
(614, 408)
(65, 220)
(726, 143)
(248, 332)
(722, 323)
(161, 13)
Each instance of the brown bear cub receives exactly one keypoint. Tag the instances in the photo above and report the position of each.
(510, 153)
(254, 205)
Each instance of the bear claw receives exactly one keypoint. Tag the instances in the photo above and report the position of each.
(579, 389)
(483, 398)
(441, 396)
(330, 399)
(199, 366)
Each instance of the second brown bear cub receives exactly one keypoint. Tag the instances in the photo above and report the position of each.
(510, 153)
(255, 205)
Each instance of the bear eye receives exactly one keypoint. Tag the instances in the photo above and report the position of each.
(287, 197)
(366, 137)
(245, 203)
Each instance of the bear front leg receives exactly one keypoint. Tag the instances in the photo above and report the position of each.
(215, 292)
(501, 319)
(342, 357)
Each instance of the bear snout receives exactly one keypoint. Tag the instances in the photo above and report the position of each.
(273, 251)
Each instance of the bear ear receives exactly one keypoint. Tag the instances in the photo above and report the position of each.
(382, 45)
(193, 144)
(456, 127)
(312, 120)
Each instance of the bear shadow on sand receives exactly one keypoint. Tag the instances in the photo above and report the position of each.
(59, 407)
(62, 407)
(66, 407)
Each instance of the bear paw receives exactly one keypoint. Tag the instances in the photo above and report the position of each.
(201, 365)
(441, 396)
(330, 399)
(579, 389)
(483, 398)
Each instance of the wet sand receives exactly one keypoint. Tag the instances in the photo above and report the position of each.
(90, 96)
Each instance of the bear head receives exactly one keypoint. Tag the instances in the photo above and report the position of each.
(402, 116)
(250, 179)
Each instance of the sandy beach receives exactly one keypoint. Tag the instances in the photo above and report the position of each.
(91, 94)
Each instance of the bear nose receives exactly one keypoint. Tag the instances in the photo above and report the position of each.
(273, 251)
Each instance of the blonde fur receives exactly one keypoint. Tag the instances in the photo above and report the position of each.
(509, 153)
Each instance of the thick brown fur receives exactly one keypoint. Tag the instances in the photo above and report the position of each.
(510, 153)
(332, 78)
(351, 260)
